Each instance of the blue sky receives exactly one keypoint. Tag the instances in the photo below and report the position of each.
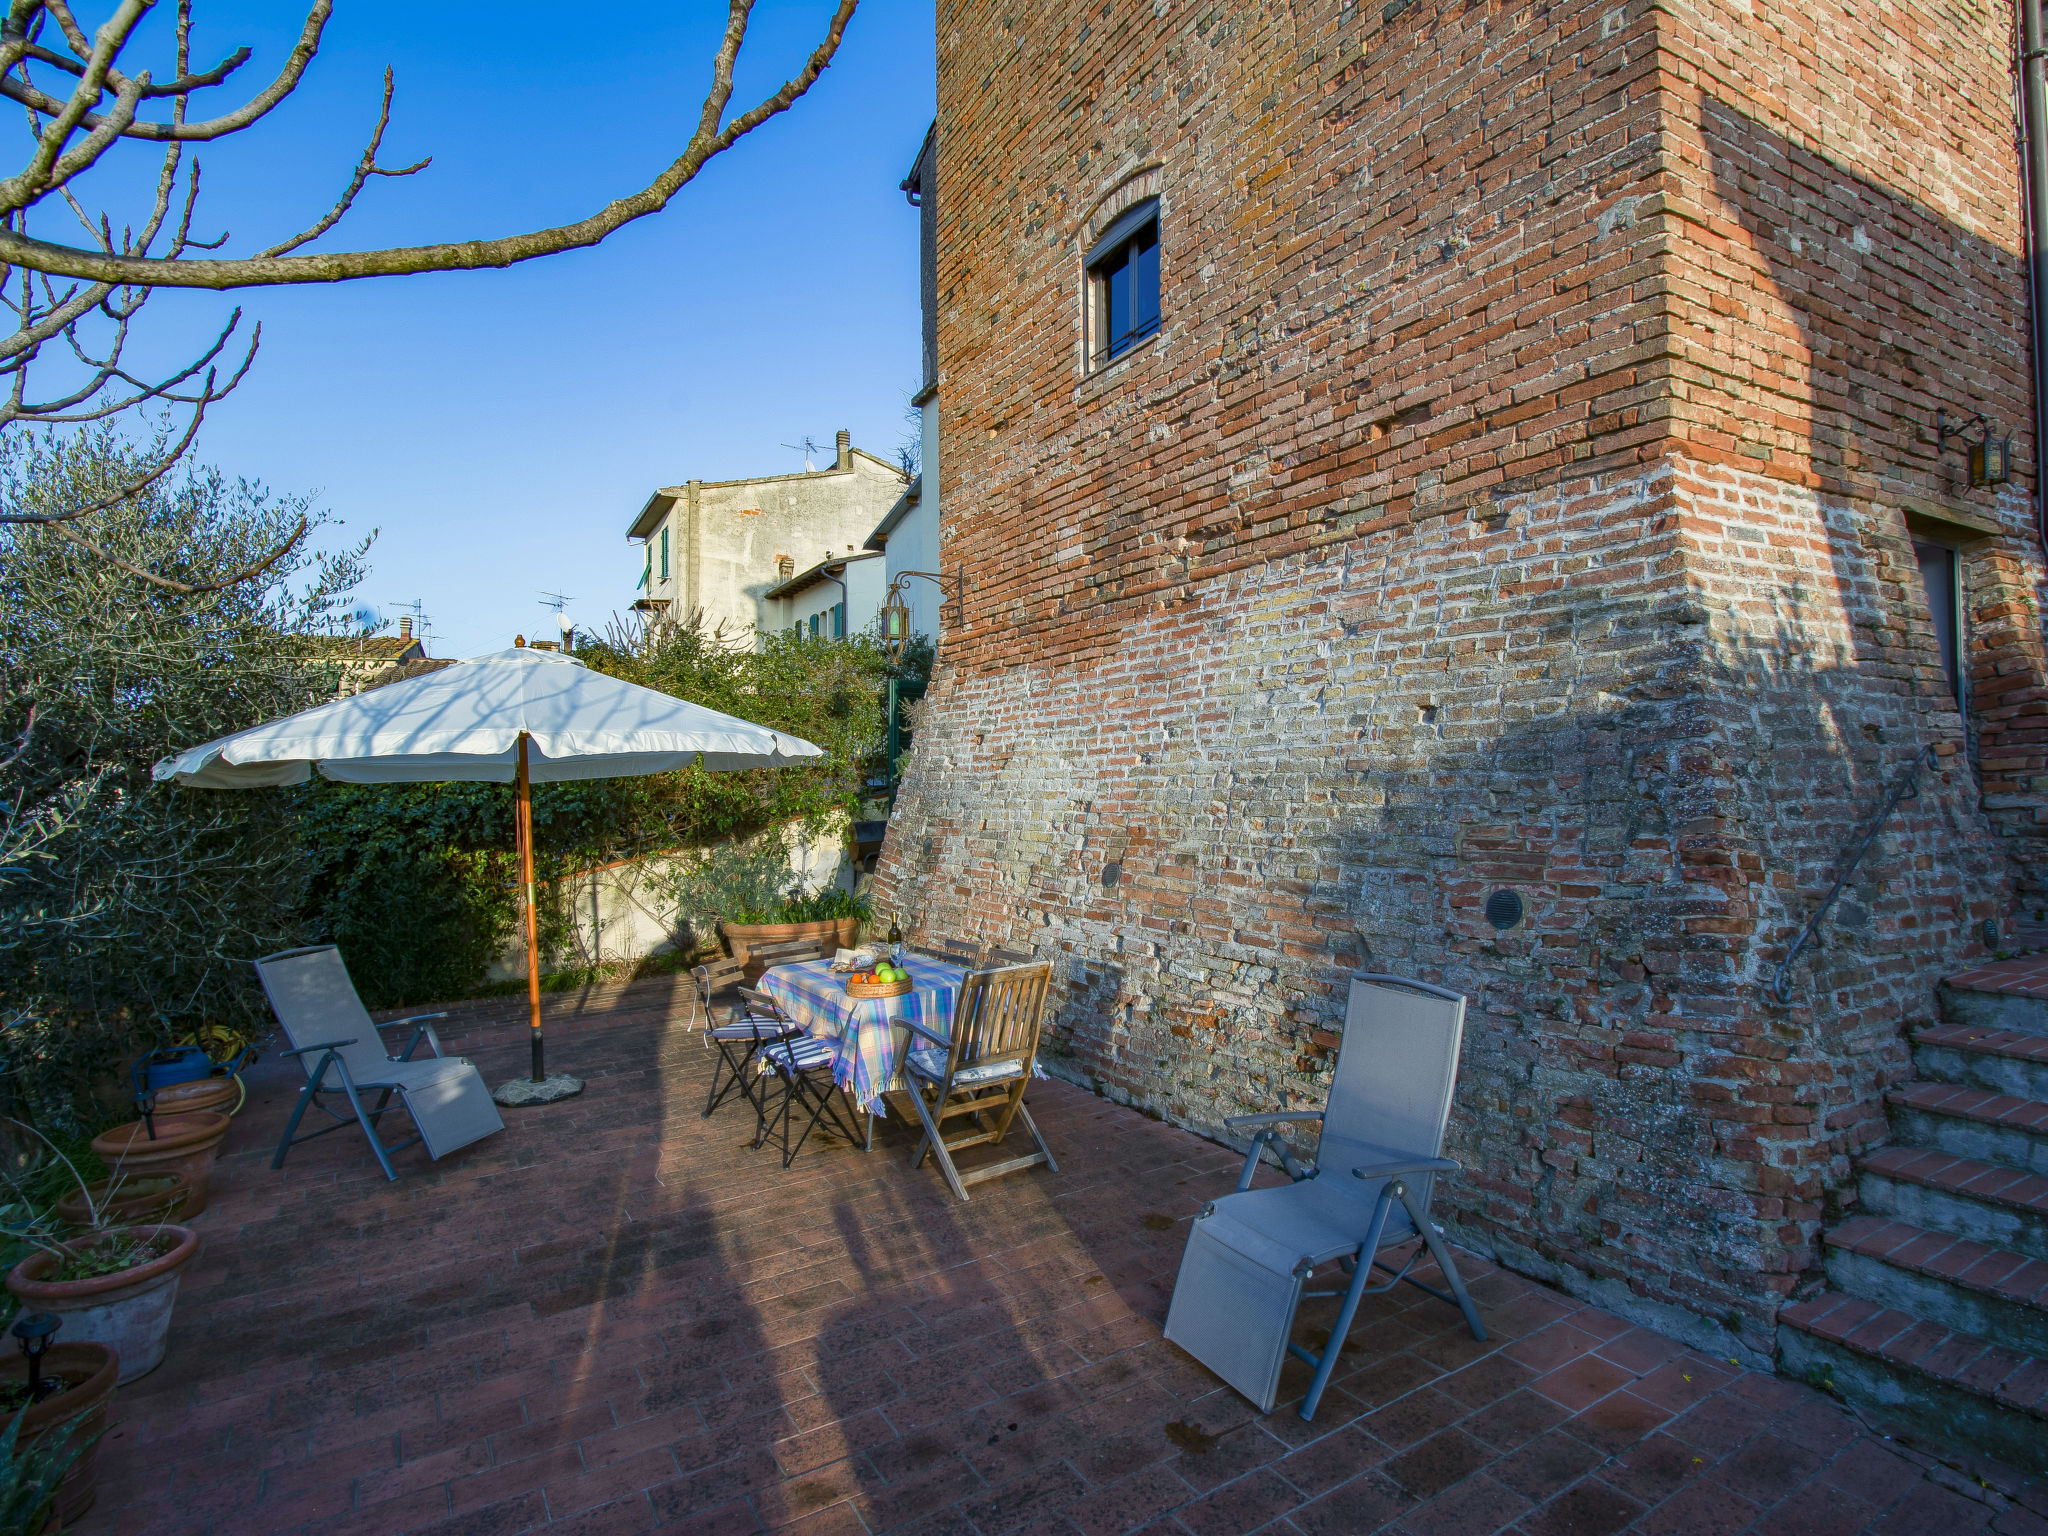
(500, 429)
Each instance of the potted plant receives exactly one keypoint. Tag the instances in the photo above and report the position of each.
(49, 1449)
(829, 914)
(127, 1200)
(751, 894)
(183, 1143)
(108, 1284)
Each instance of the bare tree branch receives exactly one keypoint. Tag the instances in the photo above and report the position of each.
(183, 85)
(365, 169)
(135, 487)
(107, 278)
(183, 589)
(256, 108)
(17, 247)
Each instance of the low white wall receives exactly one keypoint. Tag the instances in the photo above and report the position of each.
(625, 911)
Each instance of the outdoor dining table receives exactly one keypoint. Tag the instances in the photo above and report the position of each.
(873, 1032)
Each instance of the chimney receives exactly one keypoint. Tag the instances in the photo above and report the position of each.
(845, 449)
(785, 566)
(405, 627)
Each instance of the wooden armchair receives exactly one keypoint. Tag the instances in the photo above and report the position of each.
(981, 1072)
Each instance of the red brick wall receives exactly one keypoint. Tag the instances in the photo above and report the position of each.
(1496, 507)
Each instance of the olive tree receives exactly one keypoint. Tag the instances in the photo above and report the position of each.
(127, 913)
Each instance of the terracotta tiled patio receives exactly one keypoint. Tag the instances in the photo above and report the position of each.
(616, 1317)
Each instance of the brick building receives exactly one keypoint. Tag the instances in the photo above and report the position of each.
(1519, 492)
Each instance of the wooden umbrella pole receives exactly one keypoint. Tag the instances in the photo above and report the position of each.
(523, 832)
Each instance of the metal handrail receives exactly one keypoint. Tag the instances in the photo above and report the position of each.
(1907, 787)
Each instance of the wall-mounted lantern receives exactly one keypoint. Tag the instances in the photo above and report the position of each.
(896, 612)
(1990, 456)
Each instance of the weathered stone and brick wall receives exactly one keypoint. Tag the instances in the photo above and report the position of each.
(1514, 497)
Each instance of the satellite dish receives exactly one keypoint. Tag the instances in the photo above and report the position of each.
(568, 624)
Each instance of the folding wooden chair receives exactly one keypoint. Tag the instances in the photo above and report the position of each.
(1001, 956)
(952, 951)
(751, 1023)
(981, 1071)
(806, 1066)
(764, 957)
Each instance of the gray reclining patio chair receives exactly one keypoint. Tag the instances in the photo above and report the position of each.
(330, 1030)
(1248, 1254)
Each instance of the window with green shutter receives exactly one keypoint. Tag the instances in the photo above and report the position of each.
(664, 553)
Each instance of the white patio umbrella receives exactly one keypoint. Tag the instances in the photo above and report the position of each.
(521, 717)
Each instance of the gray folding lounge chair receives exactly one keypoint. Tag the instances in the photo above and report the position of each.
(331, 1032)
(1249, 1253)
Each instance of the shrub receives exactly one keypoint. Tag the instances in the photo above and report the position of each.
(751, 882)
(129, 910)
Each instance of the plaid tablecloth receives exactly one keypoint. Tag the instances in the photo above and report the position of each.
(874, 1026)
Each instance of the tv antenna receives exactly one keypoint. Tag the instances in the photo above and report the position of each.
(422, 622)
(559, 602)
(809, 449)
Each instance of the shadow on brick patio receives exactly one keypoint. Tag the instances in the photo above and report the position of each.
(618, 1317)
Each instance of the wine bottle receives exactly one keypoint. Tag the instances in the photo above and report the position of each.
(895, 943)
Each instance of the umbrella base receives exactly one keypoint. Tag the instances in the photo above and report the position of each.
(549, 1090)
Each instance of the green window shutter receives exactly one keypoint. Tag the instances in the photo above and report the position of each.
(664, 553)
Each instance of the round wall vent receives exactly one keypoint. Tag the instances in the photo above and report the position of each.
(1504, 909)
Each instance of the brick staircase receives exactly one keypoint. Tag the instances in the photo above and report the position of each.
(1936, 1312)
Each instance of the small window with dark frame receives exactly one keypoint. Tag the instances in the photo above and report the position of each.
(1123, 282)
(1940, 572)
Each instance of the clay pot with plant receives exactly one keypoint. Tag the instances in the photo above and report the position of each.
(107, 1284)
(218, 1095)
(752, 895)
(182, 1143)
(130, 1200)
(52, 1415)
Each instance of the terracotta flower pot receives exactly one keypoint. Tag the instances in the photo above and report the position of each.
(842, 931)
(184, 1144)
(82, 1410)
(129, 1311)
(220, 1094)
(134, 1200)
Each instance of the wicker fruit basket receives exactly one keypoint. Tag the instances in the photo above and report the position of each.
(877, 988)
